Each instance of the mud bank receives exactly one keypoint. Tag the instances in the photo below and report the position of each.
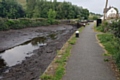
(32, 67)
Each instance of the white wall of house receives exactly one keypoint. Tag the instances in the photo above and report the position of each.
(111, 13)
(102, 17)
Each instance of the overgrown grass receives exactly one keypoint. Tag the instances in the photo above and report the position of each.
(111, 44)
(61, 62)
(108, 41)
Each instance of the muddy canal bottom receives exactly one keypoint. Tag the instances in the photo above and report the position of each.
(16, 55)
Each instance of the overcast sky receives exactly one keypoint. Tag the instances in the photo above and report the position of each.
(95, 6)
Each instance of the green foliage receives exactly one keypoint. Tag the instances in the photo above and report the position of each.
(73, 40)
(93, 17)
(51, 16)
(36, 13)
(11, 9)
(20, 23)
(106, 60)
(107, 54)
(103, 27)
(39, 9)
(59, 72)
(61, 64)
(111, 44)
(85, 13)
(111, 40)
(46, 77)
(3, 26)
(52, 10)
(64, 10)
(113, 28)
(107, 41)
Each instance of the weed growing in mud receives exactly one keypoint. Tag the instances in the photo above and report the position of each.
(60, 61)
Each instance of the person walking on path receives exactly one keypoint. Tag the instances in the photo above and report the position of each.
(87, 60)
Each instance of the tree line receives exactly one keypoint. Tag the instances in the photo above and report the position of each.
(37, 13)
(40, 8)
(11, 9)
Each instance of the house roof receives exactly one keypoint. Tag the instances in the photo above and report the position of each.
(107, 9)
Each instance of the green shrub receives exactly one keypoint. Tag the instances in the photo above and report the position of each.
(111, 44)
(113, 27)
(3, 25)
(10, 22)
(6, 24)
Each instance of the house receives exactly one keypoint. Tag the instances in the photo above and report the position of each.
(111, 13)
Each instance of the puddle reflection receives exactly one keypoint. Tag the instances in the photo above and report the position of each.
(17, 54)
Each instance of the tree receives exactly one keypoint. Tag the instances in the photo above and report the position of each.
(11, 9)
(51, 16)
(30, 8)
(85, 13)
(36, 11)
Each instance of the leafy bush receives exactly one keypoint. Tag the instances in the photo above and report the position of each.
(111, 44)
(111, 40)
(103, 27)
(6, 24)
(3, 26)
(113, 27)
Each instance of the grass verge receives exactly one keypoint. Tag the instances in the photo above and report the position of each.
(111, 44)
(108, 36)
(56, 70)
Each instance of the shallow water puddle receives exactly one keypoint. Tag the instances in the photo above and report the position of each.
(17, 54)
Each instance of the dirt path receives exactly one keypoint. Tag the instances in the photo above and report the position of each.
(34, 66)
(87, 60)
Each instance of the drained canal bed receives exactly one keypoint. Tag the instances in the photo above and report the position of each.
(16, 55)
(29, 60)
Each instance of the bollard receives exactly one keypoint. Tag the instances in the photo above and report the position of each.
(77, 34)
